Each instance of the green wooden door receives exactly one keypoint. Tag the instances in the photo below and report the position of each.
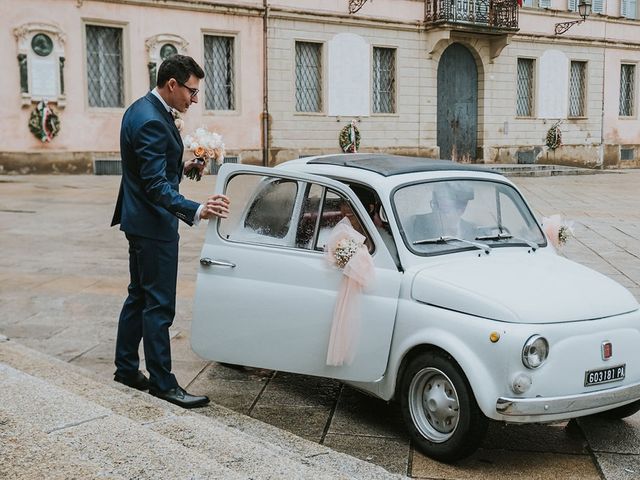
(457, 104)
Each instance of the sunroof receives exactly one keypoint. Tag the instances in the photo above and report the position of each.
(387, 165)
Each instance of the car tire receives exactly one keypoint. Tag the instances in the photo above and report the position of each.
(439, 408)
(621, 412)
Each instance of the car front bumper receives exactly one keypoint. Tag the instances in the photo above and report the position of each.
(554, 406)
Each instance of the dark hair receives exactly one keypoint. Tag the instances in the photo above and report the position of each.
(180, 67)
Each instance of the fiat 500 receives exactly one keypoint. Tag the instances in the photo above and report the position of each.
(471, 314)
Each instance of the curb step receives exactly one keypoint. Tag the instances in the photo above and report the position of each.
(541, 170)
(28, 453)
(97, 421)
(114, 445)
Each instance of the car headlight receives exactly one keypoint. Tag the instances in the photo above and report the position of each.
(535, 351)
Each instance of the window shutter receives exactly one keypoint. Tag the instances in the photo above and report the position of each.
(527, 3)
(573, 5)
(544, 3)
(598, 6)
(628, 8)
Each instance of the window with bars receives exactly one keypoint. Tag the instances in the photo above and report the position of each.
(577, 89)
(308, 77)
(219, 89)
(627, 89)
(384, 80)
(104, 67)
(524, 102)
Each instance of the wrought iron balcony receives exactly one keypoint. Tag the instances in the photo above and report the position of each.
(501, 15)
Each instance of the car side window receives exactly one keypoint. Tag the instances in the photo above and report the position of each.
(309, 215)
(262, 210)
(335, 208)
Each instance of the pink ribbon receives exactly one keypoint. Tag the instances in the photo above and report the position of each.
(551, 227)
(358, 272)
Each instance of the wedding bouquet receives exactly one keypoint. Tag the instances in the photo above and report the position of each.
(344, 250)
(204, 145)
(557, 229)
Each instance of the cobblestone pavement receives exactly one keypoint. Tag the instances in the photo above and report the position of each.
(63, 276)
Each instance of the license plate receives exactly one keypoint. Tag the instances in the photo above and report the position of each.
(604, 375)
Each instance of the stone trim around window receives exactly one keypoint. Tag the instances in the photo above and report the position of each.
(41, 57)
(159, 47)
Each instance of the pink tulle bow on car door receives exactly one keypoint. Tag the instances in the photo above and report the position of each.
(345, 249)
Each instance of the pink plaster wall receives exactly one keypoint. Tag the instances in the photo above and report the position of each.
(91, 129)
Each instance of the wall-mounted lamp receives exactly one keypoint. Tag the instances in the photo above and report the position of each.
(355, 5)
(584, 9)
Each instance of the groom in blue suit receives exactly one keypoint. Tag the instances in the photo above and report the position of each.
(148, 208)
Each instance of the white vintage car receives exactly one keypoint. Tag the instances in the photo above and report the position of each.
(471, 315)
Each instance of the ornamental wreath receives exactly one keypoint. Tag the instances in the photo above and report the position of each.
(349, 138)
(44, 122)
(554, 136)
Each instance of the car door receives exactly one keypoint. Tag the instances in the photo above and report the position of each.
(264, 295)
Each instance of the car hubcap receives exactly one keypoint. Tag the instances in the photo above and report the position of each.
(433, 403)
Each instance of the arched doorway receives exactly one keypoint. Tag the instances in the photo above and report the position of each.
(457, 103)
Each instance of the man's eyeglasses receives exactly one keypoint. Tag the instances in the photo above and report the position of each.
(192, 91)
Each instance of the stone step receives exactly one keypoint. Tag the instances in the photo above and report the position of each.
(540, 170)
(110, 444)
(28, 453)
(236, 442)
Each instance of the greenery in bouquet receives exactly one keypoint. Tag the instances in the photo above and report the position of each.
(564, 233)
(205, 146)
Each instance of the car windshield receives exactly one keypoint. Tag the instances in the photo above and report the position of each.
(449, 215)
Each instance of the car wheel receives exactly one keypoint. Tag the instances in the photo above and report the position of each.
(621, 412)
(439, 408)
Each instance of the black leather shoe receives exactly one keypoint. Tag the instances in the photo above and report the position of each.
(179, 396)
(137, 380)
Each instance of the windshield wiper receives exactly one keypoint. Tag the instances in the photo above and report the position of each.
(449, 238)
(507, 236)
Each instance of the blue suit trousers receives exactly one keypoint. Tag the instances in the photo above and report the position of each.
(148, 311)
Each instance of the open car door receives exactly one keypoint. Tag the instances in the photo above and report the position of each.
(265, 292)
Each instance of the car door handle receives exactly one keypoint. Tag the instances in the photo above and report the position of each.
(207, 262)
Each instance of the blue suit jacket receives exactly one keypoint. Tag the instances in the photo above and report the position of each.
(149, 202)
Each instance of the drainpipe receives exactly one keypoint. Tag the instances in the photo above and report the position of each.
(604, 69)
(265, 86)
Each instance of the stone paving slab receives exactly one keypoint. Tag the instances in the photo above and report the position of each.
(618, 467)
(80, 272)
(508, 465)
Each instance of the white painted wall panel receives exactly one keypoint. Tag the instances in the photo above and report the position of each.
(348, 76)
(553, 85)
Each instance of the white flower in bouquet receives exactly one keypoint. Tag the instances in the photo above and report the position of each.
(204, 145)
(345, 249)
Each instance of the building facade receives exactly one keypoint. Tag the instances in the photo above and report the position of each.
(470, 80)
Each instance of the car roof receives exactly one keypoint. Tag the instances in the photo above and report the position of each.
(389, 165)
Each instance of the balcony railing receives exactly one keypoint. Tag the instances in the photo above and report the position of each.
(497, 14)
